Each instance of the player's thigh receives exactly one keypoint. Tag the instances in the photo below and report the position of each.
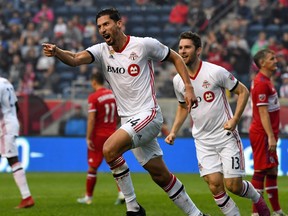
(143, 127)
(209, 160)
(8, 146)
(232, 157)
(148, 151)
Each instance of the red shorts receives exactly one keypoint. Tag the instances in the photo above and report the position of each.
(263, 158)
(95, 157)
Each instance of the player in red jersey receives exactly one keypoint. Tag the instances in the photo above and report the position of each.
(264, 129)
(102, 122)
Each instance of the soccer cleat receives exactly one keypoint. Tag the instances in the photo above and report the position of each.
(262, 207)
(141, 212)
(85, 200)
(279, 214)
(26, 203)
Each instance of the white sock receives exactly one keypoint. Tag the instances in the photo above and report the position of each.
(226, 204)
(121, 174)
(20, 179)
(248, 191)
(176, 192)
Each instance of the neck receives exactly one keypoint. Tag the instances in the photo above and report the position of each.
(122, 39)
(97, 87)
(267, 73)
(193, 67)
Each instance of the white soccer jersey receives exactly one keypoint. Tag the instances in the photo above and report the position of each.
(130, 72)
(213, 108)
(8, 117)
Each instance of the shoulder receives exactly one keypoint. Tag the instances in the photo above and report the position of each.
(99, 46)
(93, 96)
(212, 67)
(145, 41)
(261, 80)
(4, 82)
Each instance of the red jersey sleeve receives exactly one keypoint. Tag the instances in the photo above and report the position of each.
(261, 94)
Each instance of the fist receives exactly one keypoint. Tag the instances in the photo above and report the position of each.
(49, 50)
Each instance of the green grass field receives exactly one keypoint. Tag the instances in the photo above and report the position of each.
(55, 194)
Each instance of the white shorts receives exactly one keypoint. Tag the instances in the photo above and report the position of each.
(227, 158)
(8, 146)
(144, 129)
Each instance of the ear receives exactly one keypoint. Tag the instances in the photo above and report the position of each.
(262, 62)
(198, 51)
(119, 23)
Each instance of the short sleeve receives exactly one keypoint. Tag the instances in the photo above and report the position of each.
(92, 107)
(179, 88)
(261, 93)
(96, 52)
(155, 50)
(225, 79)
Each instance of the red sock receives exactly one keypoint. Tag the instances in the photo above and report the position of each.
(258, 183)
(272, 191)
(91, 180)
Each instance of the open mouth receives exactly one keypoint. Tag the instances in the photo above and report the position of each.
(106, 36)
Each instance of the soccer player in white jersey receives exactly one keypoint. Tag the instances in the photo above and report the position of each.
(218, 145)
(127, 63)
(9, 130)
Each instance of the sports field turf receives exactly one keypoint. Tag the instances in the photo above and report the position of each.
(55, 194)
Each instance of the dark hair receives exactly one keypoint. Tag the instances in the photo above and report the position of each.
(261, 55)
(112, 12)
(98, 77)
(194, 37)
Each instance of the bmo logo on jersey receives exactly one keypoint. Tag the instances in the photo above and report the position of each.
(208, 96)
(117, 70)
(133, 70)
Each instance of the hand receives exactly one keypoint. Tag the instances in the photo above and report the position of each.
(230, 125)
(190, 97)
(90, 144)
(49, 50)
(272, 144)
(170, 139)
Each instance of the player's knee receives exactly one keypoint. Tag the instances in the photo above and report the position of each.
(215, 186)
(234, 186)
(107, 153)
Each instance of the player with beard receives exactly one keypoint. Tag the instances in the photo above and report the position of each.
(127, 63)
(218, 144)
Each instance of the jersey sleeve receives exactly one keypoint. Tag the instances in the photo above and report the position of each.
(95, 52)
(155, 50)
(179, 89)
(225, 79)
(261, 94)
(92, 107)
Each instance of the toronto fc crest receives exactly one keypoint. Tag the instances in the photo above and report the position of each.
(133, 56)
(206, 84)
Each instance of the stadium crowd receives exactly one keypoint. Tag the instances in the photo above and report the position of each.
(25, 25)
